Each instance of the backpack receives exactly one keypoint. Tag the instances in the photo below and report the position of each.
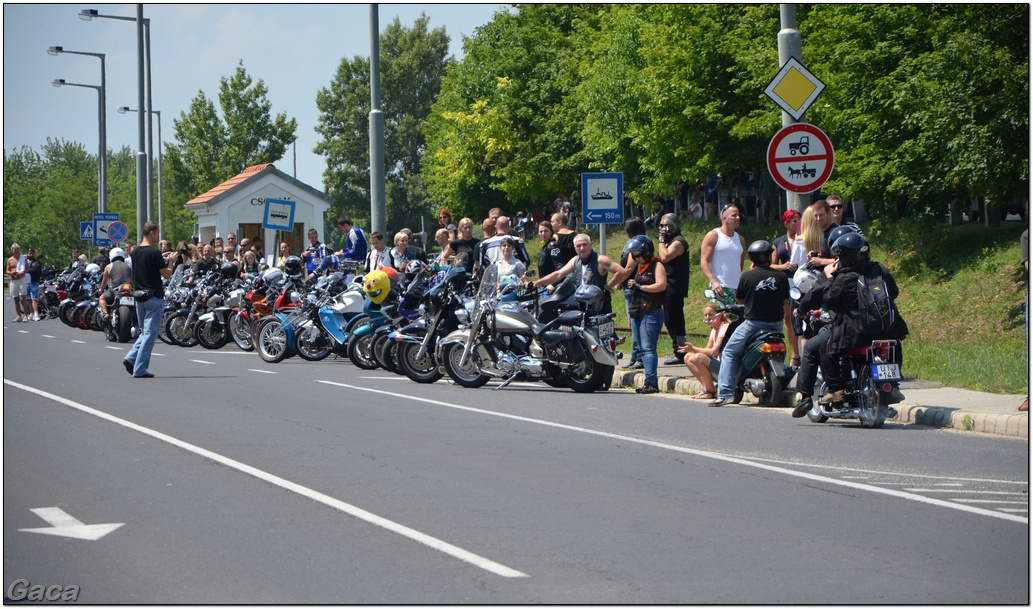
(876, 313)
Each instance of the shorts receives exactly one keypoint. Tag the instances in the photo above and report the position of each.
(715, 366)
(19, 287)
(32, 291)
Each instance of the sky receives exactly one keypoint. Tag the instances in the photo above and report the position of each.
(295, 49)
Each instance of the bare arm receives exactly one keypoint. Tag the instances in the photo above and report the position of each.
(669, 252)
(706, 253)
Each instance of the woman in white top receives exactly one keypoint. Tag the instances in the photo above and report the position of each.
(507, 263)
(723, 253)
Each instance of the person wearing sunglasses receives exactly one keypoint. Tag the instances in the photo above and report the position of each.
(647, 279)
(723, 253)
(674, 254)
(445, 221)
(836, 213)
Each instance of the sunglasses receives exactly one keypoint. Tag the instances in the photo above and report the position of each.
(835, 207)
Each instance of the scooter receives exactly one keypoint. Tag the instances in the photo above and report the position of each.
(762, 370)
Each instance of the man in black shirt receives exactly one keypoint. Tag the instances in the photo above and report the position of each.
(765, 293)
(148, 269)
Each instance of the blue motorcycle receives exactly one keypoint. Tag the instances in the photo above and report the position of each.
(338, 308)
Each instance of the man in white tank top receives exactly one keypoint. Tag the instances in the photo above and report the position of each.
(723, 252)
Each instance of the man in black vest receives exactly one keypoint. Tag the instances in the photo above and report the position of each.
(591, 267)
(674, 254)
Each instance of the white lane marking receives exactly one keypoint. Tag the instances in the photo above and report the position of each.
(201, 361)
(23, 331)
(81, 342)
(1016, 510)
(111, 347)
(394, 527)
(46, 336)
(262, 371)
(961, 500)
(961, 490)
(896, 474)
(700, 453)
(385, 378)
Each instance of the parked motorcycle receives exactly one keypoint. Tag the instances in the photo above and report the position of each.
(336, 310)
(505, 340)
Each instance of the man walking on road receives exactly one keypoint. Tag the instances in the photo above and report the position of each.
(148, 269)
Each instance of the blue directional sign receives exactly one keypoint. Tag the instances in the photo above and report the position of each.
(86, 231)
(279, 215)
(602, 197)
(101, 222)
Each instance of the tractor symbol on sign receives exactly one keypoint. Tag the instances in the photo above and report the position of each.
(802, 172)
(802, 146)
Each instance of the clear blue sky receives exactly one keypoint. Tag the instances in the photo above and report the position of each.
(295, 49)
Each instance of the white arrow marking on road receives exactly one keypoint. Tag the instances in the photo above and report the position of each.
(64, 525)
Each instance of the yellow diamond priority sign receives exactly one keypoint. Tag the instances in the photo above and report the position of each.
(794, 88)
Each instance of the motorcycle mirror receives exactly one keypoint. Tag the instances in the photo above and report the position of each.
(794, 293)
(531, 273)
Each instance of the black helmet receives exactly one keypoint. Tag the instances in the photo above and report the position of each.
(228, 270)
(849, 248)
(841, 230)
(590, 297)
(760, 251)
(292, 265)
(640, 243)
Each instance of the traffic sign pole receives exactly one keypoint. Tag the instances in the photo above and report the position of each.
(790, 46)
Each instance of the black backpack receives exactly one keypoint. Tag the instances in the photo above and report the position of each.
(876, 313)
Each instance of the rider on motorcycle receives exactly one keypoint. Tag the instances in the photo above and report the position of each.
(765, 292)
(115, 274)
(841, 297)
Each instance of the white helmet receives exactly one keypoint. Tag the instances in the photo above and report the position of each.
(93, 268)
(272, 275)
(117, 253)
(805, 278)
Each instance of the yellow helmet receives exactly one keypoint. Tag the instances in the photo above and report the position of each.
(376, 284)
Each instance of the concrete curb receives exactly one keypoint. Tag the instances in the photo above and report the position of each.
(1015, 425)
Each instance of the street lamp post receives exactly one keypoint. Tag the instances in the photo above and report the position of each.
(161, 209)
(88, 14)
(102, 158)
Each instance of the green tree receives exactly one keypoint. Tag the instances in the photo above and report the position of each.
(209, 149)
(412, 62)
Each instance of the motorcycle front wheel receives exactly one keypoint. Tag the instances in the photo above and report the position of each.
(819, 390)
(66, 313)
(270, 340)
(211, 334)
(419, 369)
(163, 333)
(384, 354)
(179, 332)
(312, 343)
(465, 375)
(240, 331)
(360, 352)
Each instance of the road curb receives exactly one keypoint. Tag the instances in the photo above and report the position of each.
(1015, 425)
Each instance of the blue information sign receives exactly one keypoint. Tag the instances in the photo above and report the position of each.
(101, 222)
(602, 198)
(279, 215)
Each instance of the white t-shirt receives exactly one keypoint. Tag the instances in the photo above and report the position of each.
(726, 263)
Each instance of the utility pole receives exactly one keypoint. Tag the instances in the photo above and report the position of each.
(377, 202)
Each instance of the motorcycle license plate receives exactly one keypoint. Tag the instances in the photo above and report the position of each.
(127, 300)
(886, 372)
(606, 329)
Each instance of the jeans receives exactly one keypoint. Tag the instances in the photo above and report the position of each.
(148, 317)
(808, 373)
(734, 349)
(649, 326)
(636, 343)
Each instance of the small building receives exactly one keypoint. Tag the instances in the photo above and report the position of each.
(238, 205)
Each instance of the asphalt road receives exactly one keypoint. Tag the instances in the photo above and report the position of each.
(237, 481)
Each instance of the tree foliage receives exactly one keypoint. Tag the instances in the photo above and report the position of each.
(927, 103)
(209, 148)
(412, 62)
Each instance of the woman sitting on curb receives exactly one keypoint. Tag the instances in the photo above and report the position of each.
(704, 362)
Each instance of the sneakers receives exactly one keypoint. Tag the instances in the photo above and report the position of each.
(648, 389)
(835, 396)
(719, 402)
(17, 320)
(35, 317)
(634, 366)
(674, 360)
(802, 407)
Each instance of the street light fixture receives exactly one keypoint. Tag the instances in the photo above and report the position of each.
(88, 14)
(102, 157)
(161, 209)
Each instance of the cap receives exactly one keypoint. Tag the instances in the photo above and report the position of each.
(788, 215)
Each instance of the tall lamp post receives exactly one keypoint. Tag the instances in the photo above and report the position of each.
(102, 158)
(161, 209)
(88, 14)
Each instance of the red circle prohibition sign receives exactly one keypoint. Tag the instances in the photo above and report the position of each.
(800, 158)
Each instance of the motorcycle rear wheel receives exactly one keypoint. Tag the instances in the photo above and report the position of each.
(270, 341)
(66, 314)
(419, 369)
(383, 353)
(122, 323)
(772, 395)
(467, 375)
(869, 402)
(93, 319)
(211, 334)
(359, 352)
(312, 349)
(162, 332)
(587, 375)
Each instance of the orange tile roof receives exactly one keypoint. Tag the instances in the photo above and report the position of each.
(230, 183)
